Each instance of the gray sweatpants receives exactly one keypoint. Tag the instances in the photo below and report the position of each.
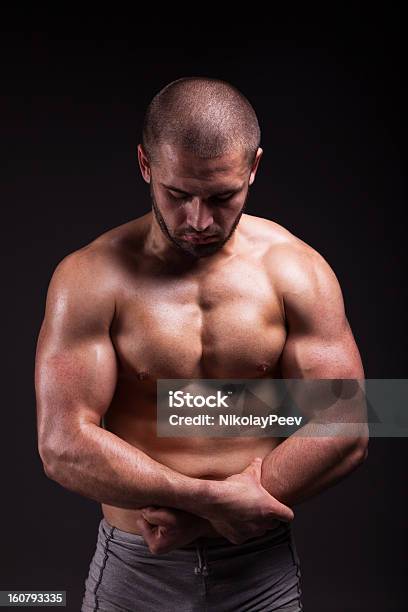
(208, 575)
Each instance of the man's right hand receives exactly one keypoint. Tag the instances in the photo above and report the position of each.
(240, 508)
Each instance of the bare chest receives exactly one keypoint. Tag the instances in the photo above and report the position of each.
(226, 324)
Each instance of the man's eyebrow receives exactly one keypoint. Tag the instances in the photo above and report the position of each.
(220, 193)
(173, 188)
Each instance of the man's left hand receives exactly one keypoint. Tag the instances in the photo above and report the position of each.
(164, 529)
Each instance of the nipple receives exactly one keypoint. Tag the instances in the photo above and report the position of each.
(142, 375)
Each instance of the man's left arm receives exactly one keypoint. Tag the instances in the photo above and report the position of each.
(319, 345)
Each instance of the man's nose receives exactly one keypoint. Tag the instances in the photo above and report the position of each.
(199, 215)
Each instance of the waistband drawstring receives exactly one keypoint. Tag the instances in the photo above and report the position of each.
(202, 567)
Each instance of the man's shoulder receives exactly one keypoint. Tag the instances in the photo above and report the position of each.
(277, 239)
(291, 261)
(119, 239)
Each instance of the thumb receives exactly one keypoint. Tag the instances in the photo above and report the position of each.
(254, 468)
(282, 512)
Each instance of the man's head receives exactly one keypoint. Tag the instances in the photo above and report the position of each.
(200, 154)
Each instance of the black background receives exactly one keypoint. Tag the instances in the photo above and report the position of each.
(331, 103)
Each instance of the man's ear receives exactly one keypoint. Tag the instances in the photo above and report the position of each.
(255, 165)
(143, 163)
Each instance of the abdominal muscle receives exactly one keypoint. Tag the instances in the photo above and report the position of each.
(204, 458)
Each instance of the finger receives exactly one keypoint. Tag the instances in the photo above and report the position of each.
(149, 533)
(153, 532)
(256, 461)
(156, 539)
(146, 529)
(255, 468)
(282, 512)
(159, 516)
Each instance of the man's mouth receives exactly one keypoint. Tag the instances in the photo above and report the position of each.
(198, 239)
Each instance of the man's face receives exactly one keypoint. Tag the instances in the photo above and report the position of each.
(198, 202)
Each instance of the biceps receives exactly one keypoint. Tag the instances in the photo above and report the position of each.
(309, 355)
(74, 384)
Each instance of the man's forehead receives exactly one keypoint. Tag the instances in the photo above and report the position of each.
(181, 163)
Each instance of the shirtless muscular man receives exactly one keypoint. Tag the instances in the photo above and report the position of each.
(194, 289)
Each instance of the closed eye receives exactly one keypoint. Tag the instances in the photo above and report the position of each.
(222, 198)
(183, 197)
(212, 198)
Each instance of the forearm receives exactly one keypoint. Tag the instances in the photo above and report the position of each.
(301, 467)
(101, 466)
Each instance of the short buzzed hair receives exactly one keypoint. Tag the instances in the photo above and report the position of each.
(206, 116)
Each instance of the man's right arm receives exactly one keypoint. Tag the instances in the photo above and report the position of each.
(75, 379)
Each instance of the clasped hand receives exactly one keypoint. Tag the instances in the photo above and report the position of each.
(240, 509)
